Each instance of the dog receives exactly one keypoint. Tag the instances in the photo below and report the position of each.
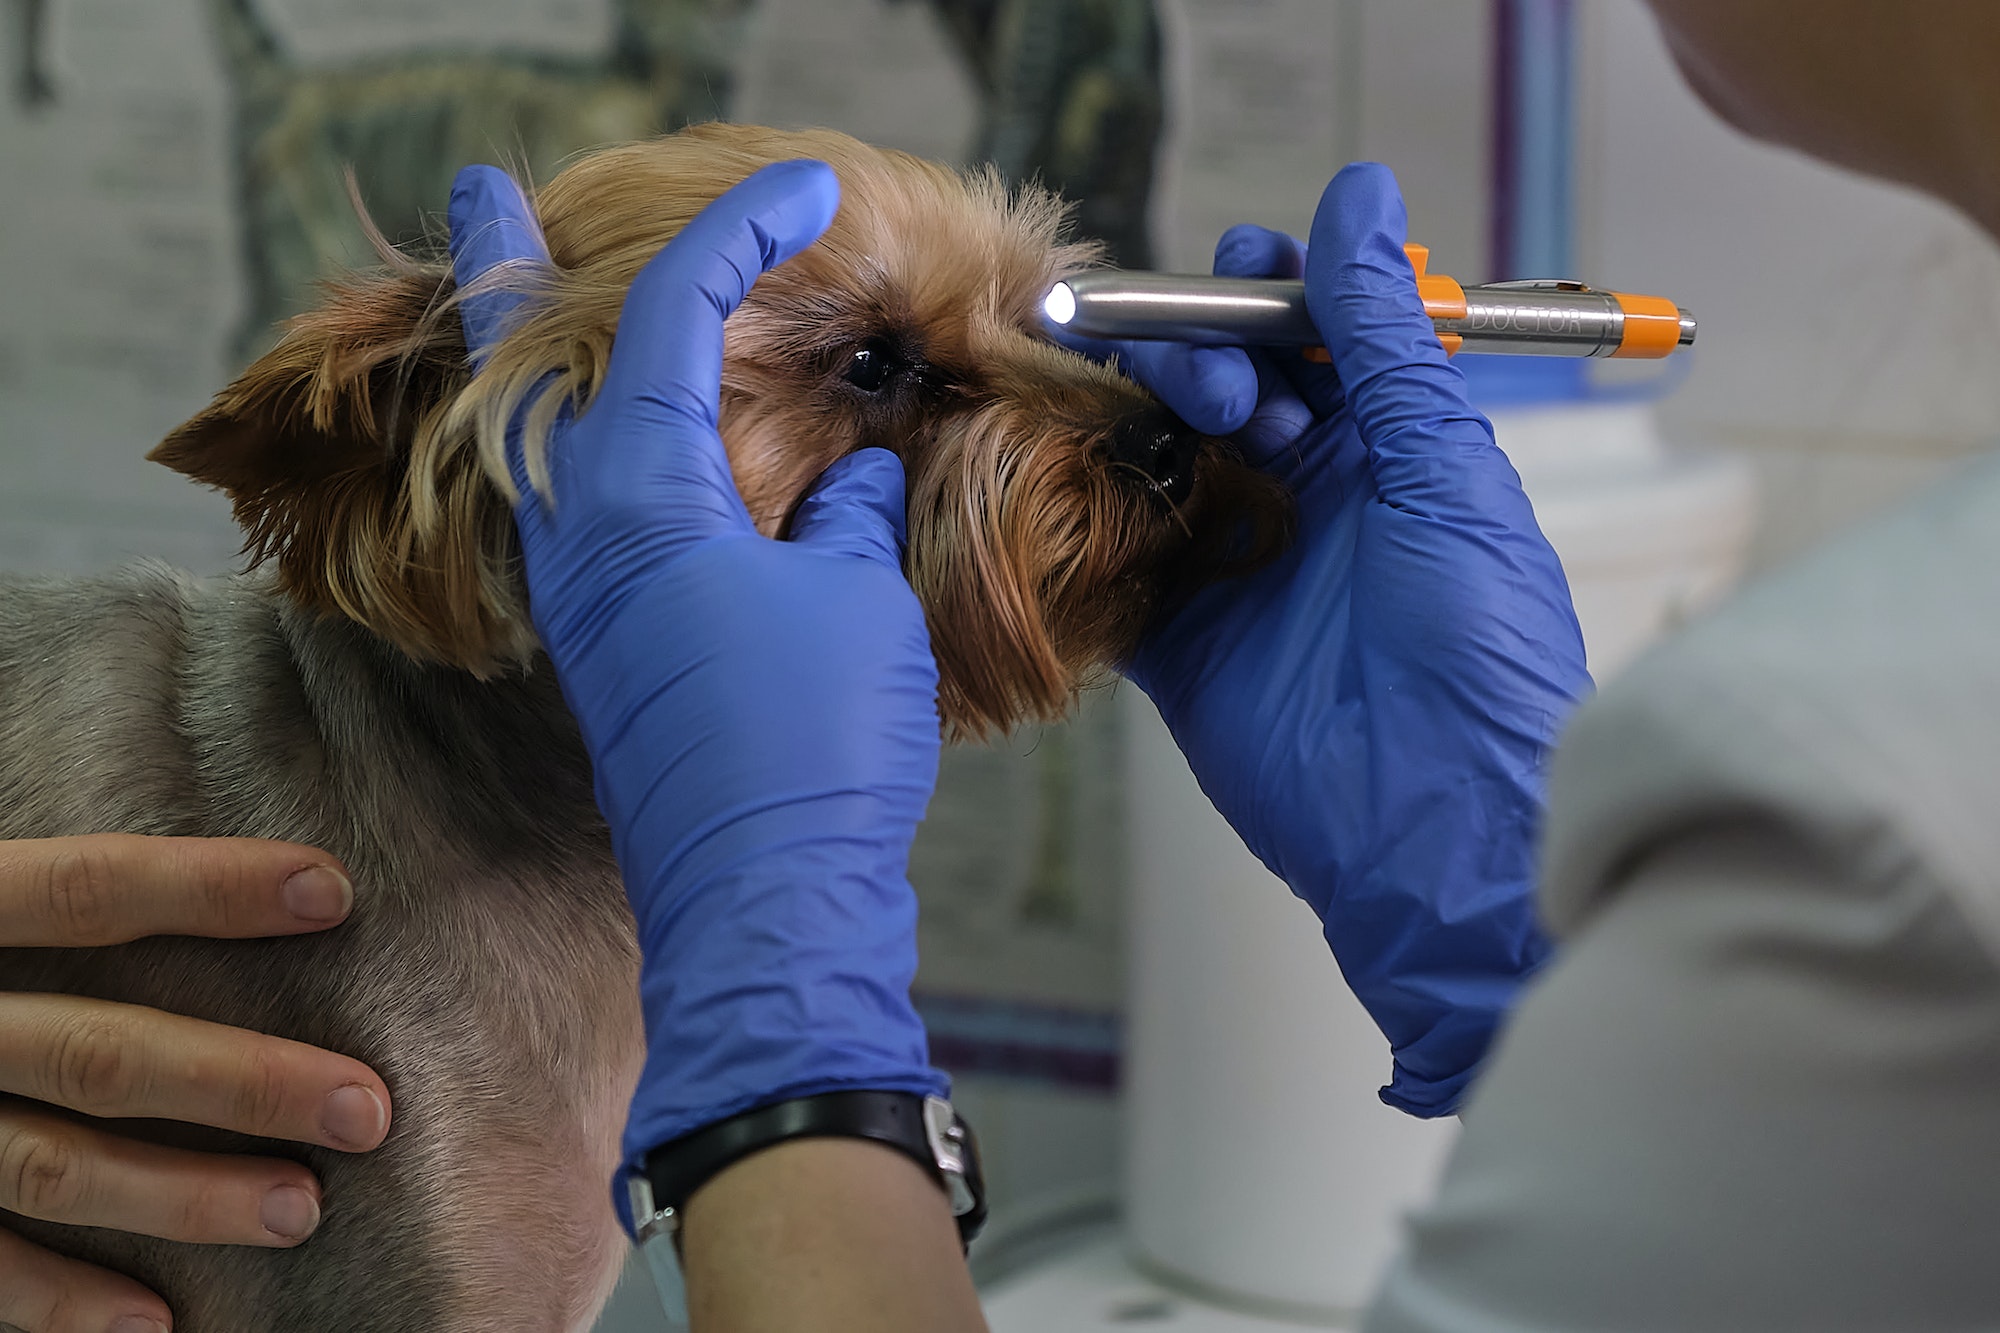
(372, 684)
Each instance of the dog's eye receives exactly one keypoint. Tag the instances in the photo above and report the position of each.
(873, 365)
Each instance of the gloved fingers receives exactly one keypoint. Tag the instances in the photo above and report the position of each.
(495, 236)
(1408, 400)
(664, 381)
(1272, 437)
(1212, 389)
(669, 348)
(857, 509)
(1279, 417)
(493, 229)
(1249, 251)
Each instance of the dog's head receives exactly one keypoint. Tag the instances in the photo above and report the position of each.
(1054, 507)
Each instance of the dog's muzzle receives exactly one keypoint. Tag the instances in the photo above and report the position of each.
(1160, 449)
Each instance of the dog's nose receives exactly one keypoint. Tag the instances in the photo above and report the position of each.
(1160, 448)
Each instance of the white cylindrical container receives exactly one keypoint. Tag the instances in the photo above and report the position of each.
(1263, 1173)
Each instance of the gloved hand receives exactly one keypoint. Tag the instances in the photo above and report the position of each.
(761, 715)
(1374, 712)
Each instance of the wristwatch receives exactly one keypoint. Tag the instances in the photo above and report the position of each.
(926, 1129)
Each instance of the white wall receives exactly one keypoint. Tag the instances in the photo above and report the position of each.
(1271, 97)
(1844, 345)
(118, 257)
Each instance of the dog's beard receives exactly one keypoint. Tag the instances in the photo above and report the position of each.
(1040, 550)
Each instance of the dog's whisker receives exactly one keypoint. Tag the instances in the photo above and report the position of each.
(1152, 484)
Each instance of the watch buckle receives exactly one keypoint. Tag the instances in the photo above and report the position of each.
(659, 1230)
(947, 1136)
(648, 1218)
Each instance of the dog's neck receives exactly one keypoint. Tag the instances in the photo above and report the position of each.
(389, 743)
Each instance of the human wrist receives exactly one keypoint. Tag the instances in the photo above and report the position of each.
(663, 1169)
(827, 1236)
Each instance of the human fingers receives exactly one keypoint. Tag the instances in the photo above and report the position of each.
(125, 1062)
(857, 509)
(1409, 402)
(493, 229)
(649, 440)
(1247, 251)
(55, 1169)
(1228, 390)
(1212, 389)
(111, 888)
(42, 1292)
(1293, 394)
(668, 354)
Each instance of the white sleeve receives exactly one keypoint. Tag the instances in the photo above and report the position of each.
(1758, 1090)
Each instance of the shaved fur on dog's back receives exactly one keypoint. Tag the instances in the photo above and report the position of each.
(487, 971)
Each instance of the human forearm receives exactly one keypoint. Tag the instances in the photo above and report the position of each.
(825, 1236)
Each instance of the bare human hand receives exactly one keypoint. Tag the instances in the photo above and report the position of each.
(65, 1060)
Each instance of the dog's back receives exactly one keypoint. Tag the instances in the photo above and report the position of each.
(487, 971)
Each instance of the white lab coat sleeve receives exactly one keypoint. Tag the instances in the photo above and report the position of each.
(1759, 1087)
(1754, 1095)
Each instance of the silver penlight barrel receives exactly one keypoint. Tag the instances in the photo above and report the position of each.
(1538, 318)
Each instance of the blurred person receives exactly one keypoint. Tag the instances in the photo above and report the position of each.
(1757, 1088)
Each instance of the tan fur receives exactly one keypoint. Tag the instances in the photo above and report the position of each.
(368, 463)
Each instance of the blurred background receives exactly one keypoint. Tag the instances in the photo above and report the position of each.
(173, 186)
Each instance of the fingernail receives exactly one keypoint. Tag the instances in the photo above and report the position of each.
(318, 893)
(353, 1118)
(137, 1323)
(289, 1212)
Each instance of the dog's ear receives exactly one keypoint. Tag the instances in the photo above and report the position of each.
(333, 449)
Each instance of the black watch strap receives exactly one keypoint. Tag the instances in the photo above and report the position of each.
(924, 1129)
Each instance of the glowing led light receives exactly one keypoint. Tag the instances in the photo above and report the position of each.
(1060, 304)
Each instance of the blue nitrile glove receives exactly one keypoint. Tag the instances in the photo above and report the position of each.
(761, 715)
(1374, 712)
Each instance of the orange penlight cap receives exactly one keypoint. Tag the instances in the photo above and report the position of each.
(1652, 326)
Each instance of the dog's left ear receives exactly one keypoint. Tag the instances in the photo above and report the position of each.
(333, 449)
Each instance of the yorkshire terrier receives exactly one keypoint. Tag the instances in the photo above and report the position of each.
(372, 685)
